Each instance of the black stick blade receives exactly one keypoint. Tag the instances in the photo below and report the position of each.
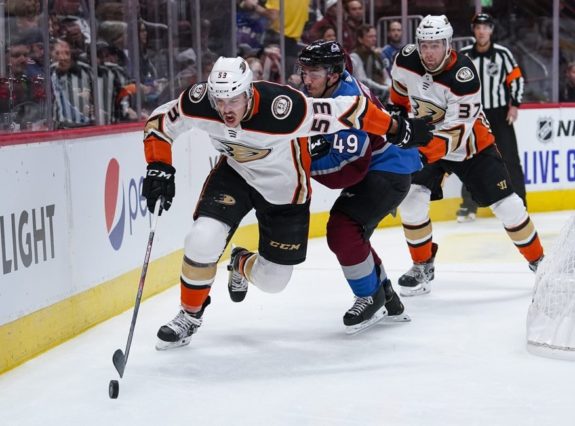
(119, 361)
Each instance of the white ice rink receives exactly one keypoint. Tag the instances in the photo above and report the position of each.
(284, 359)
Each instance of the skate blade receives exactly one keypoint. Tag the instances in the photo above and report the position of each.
(466, 219)
(378, 316)
(392, 319)
(164, 346)
(415, 291)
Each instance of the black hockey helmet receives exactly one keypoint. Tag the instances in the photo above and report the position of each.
(323, 53)
(482, 18)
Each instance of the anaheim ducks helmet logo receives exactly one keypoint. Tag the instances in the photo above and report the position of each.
(244, 154)
(422, 108)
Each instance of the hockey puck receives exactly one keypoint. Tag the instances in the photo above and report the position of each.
(113, 389)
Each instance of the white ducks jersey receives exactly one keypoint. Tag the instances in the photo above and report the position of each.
(452, 97)
(269, 149)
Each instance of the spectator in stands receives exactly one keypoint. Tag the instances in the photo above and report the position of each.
(35, 41)
(330, 19)
(568, 89)
(252, 18)
(295, 17)
(394, 33)
(72, 87)
(71, 31)
(114, 34)
(22, 97)
(271, 59)
(257, 67)
(367, 64)
(355, 13)
(22, 16)
(116, 89)
(327, 32)
(246, 51)
(66, 9)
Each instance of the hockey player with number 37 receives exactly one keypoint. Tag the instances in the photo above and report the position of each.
(430, 78)
(261, 130)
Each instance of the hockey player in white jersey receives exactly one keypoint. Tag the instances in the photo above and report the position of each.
(430, 78)
(261, 131)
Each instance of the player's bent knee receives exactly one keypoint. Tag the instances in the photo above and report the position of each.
(270, 277)
(510, 210)
(414, 209)
(340, 232)
(206, 240)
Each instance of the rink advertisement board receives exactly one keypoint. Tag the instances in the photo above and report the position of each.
(73, 227)
(546, 144)
(546, 139)
(34, 228)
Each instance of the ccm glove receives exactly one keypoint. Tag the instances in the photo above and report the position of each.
(318, 146)
(412, 132)
(159, 182)
(395, 110)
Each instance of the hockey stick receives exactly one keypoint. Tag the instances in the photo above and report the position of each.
(121, 358)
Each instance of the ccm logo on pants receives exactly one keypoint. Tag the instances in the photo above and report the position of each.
(285, 246)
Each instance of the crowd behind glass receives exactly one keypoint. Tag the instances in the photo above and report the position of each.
(77, 63)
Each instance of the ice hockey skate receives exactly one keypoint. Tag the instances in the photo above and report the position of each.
(178, 332)
(365, 312)
(535, 264)
(393, 304)
(237, 283)
(464, 215)
(418, 279)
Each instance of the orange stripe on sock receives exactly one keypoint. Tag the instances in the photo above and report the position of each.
(421, 253)
(532, 251)
(192, 299)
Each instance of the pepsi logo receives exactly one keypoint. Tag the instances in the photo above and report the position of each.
(114, 204)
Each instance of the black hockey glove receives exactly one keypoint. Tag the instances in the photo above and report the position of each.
(412, 132)
(395, 110)
(159, 182)
(318, 146)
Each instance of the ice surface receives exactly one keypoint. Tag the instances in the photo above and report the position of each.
(285, 359)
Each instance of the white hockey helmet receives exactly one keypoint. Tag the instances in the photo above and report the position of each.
(435, 28)
(229, 77)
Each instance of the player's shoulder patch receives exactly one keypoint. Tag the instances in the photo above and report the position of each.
(408, 49)
(464, 74)
(461, 78)
(281, 107)
(197, 92)
(409, 59)
(194, 102)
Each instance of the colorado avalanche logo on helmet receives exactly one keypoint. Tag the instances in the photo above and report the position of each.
(545, 129)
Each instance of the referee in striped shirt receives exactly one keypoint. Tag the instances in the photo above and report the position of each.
(501, 94)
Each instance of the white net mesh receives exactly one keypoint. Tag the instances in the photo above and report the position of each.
(551, 316)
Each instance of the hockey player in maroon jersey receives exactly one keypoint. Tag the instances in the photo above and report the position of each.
(261, 130)
(430, 78)
(374, 177)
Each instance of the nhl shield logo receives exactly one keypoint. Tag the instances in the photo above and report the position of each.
(545, 129)
(492, 69)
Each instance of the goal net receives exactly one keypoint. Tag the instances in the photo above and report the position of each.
(551, 316)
